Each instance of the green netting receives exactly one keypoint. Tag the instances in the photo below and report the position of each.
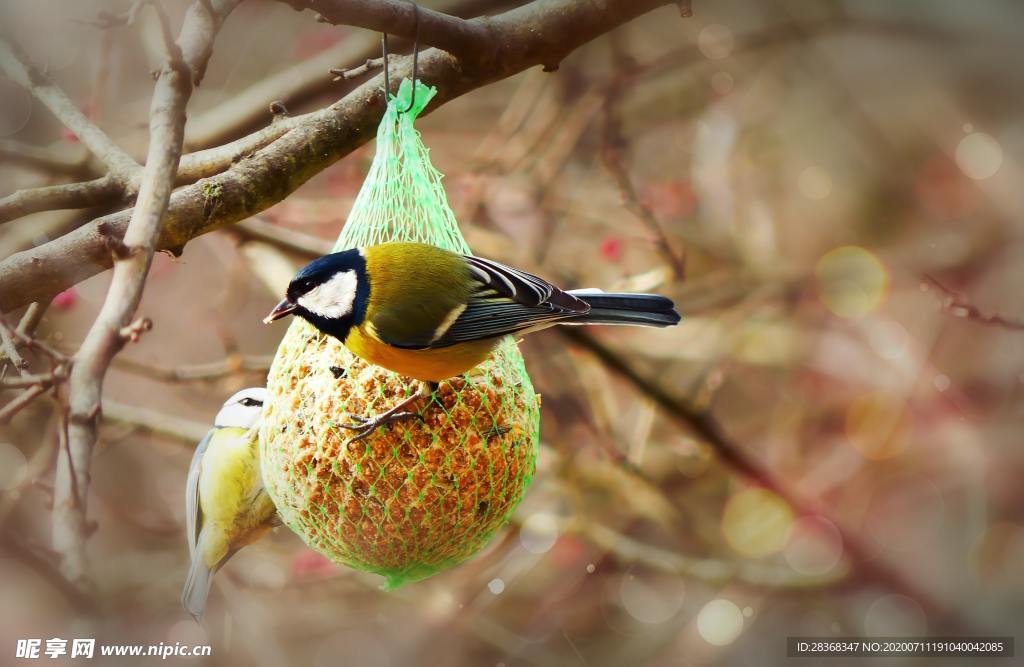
(413, 498)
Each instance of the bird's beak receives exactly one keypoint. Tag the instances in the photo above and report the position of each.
(282, 309)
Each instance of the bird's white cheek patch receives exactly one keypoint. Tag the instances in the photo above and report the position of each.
(334, 298)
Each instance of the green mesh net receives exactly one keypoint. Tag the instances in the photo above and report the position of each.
(415, 497)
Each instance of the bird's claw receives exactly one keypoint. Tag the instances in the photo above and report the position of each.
(367, 425)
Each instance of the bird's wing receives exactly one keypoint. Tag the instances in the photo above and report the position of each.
(193, 520)
(522, 287)
(507, 301)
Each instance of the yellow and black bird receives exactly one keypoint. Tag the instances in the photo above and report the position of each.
(431, 314)
(226, 506)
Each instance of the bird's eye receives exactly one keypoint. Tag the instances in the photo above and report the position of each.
(251, 402)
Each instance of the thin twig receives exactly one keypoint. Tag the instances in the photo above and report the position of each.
(10, 347)
(45, 568)
(708, 570)
(43, 379)
(214, 370)
(20, 401)
(49, 160)
(349, 73)
(286, 239)
(733, 456)
(122, 167)
(176, 428)
(611, 154)
(958, 305)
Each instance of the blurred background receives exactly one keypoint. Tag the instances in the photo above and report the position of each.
(831, 193)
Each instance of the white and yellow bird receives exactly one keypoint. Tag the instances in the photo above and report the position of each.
(226, 506)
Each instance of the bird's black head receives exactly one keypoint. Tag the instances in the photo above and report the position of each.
(330, 293)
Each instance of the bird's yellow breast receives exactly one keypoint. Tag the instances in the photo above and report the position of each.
(235, 508)
(430, 365)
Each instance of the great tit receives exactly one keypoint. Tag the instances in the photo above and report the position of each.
(226, 506)
(431, 314)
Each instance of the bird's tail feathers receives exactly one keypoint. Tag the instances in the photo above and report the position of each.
(197, 588)
(650, 310)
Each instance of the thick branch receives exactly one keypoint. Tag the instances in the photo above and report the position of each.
(17, 67)
(541, 33)
(186, 62)
(470, 40)
(97, 192)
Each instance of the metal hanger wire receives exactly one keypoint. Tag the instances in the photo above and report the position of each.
(415, 58)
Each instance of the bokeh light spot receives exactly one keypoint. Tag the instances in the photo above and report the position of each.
(13, 466)
(722, 83)
(651, 596)
(716, 41)
(942, 382)
(756, 522)
(496, 586)
(539, 533)
(876, 425)
(852, 282)
(720, 622)
(895, 615)
(814, 183)
(815, 546)
(979, 156)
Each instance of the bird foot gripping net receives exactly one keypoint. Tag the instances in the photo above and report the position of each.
(415, 497)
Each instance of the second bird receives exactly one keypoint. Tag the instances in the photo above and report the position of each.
(431, 314)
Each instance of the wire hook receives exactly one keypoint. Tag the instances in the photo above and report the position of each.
(415, 58)
(415, 53)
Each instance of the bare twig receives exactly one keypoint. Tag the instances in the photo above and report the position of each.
(300, 82)
(212, 161)
(214, 370)
(711, 571)
(49, 160)
(43, 565)
(286, 239)
(43, 379)
(122, 167)
(20, 401)
(10, 347)
(470, 40)
(176, 428)
(185, 64)
(349, 73)
(292, 85)
(958, 305)
(611, 154)
(97, 192)
(544, 31)
(733, 456)
(23, 335)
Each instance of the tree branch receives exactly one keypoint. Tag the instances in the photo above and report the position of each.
(734, 457)
(213, 370)
(45, 159)
(122, 167)
(541, 33)
(97, 192)
(957, 305)
(469, 40)
(185, 64)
